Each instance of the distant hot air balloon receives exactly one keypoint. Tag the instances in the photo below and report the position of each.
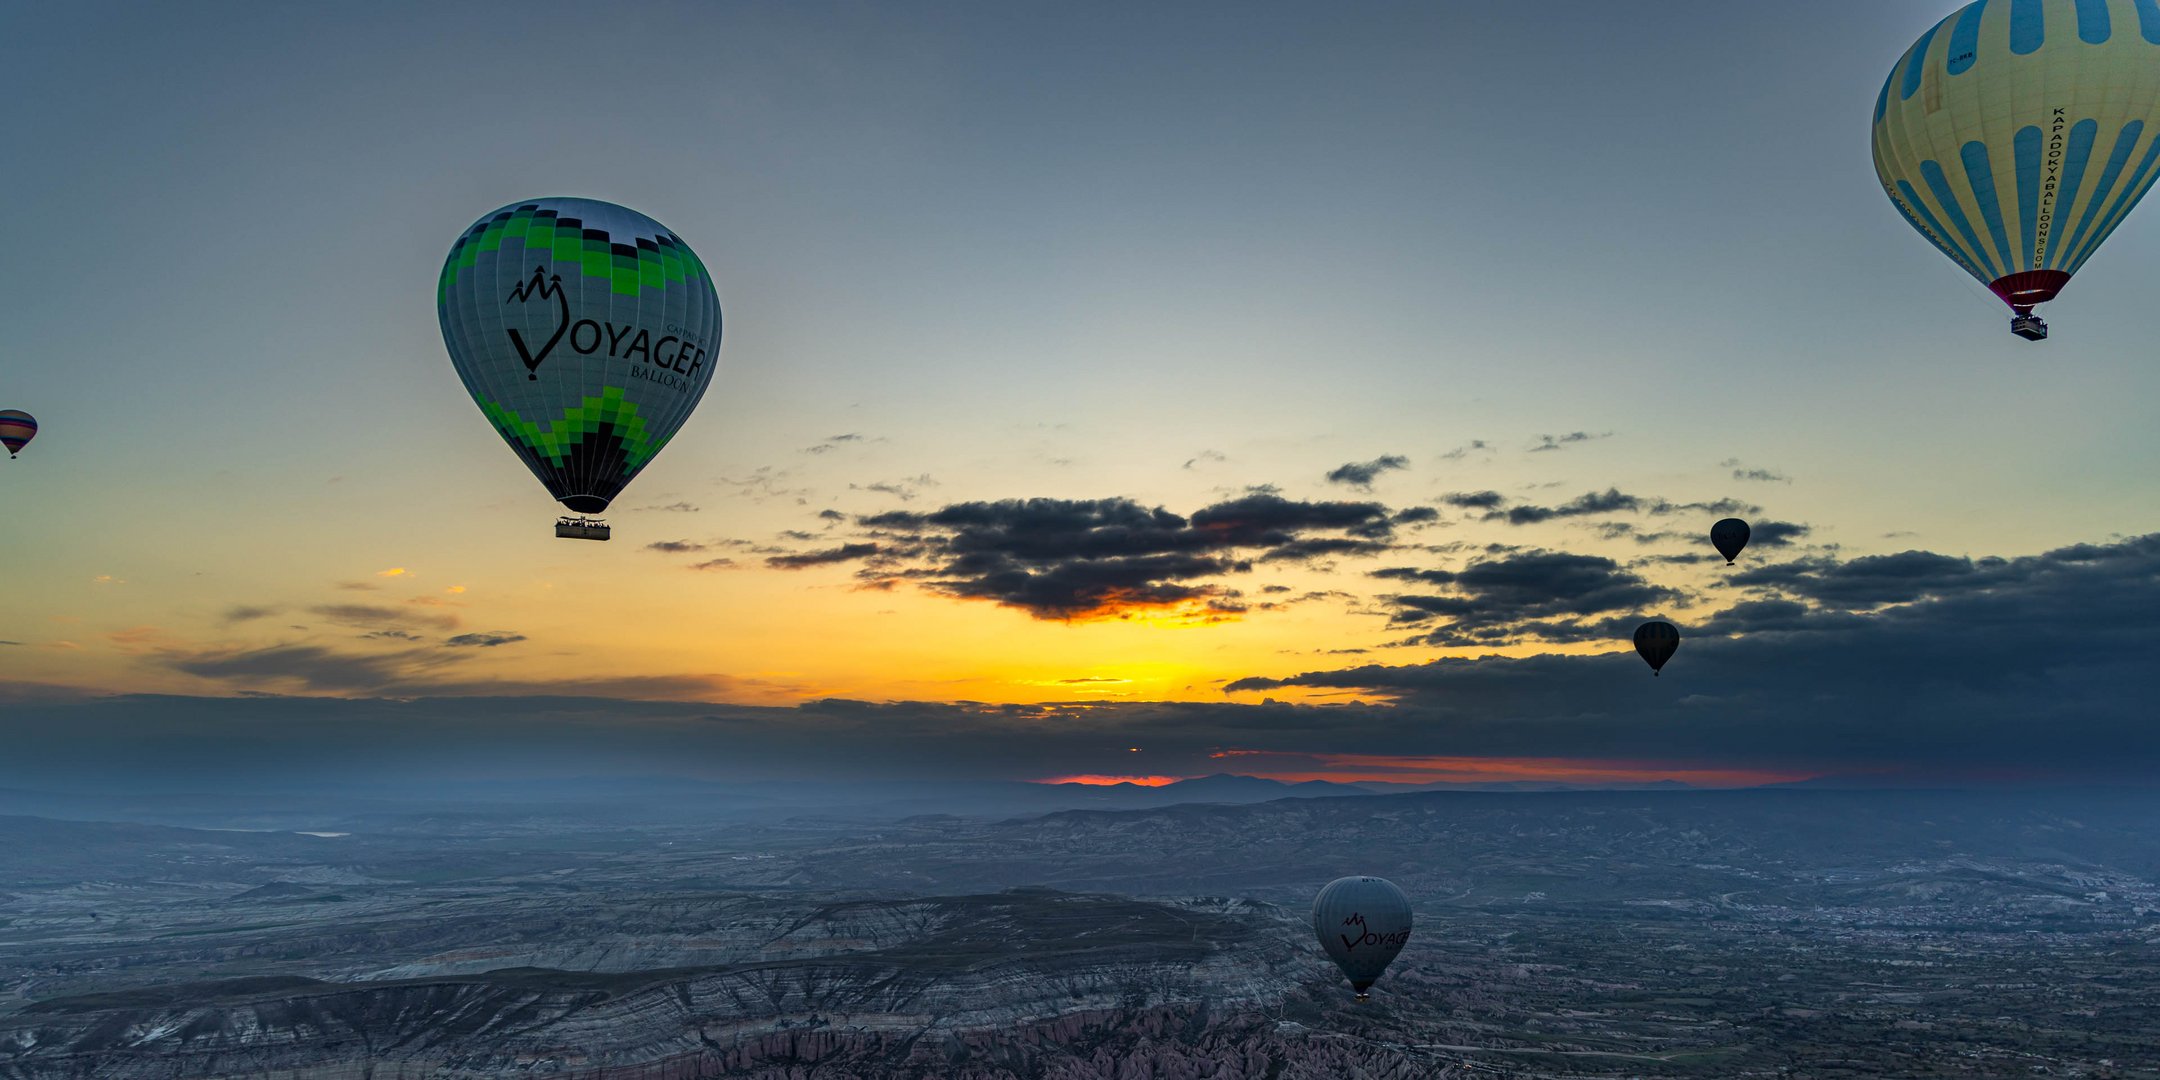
(1656, 642)
(1362, 922)
(17, 428)
(2016, 135)
(1728, 537)
(586, 332)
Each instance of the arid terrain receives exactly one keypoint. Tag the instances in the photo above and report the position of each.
(1670, 933)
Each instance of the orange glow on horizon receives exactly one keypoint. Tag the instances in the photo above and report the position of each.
(1097, 780)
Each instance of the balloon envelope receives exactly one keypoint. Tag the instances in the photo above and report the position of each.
(586, 332)
(2016, 135)
(1728, 537)
(1362, 922)
(17, 428)
(1656, 642)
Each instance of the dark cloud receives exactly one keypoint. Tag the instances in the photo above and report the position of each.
(1416, 515)
(1875, 580)
(2002, 665)
(1763, 475)
(1099, 558)
(369, 617)
(488, 640)
(309, 667)
(1474, 500)
(673, 508)
(1361, 474)
(827, 557)
(1543, 595)
(675, 547)
(383, 635)
(241, 613)
(1208, 456)
(715, 564)
(1776, 533)
(905, 490)
(1611, 501)
(1465, 450)
(1556, 442)
(833, 443)
(831, 515)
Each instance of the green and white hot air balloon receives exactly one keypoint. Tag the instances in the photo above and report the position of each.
(586, 332)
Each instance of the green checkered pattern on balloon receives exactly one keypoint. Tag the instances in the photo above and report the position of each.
(645, 263)
(554, 441)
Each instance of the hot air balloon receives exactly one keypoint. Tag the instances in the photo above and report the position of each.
(1656, 642)
(586, 332)
(17, 428)
(1728, 537)
(1362, 922)
(2016, 135)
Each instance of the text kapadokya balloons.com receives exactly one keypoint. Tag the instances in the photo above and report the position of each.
(2017, 134)
(1656, 642)
(17, 428)
(586, 332)
(1728, 537)
(1362, 922)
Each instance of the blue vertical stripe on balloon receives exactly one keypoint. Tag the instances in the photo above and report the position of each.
(1882, 100)
(1980, 178)
(2125, 141)
(2028, 26)
(1965, 39)
(1914, 60)
(2073, 174)
(1940, 237)
(2093, 25)
(1955, 211)
(2149, 20)
(2026, 145)
(2131, 193)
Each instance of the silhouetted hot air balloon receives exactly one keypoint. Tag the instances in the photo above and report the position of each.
(1362, 922)
(17, 428)
(1656, 641)
(586, 333)
(2016, 135)
(1728, 537)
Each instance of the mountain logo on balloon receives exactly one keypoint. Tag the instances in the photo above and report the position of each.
(1368, 937)
(542, 285)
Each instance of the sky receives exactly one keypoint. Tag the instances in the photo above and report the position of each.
(1128, 390)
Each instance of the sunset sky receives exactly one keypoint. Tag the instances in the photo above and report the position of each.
(1323, 392)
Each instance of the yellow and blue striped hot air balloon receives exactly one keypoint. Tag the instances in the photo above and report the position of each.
(2017, 134)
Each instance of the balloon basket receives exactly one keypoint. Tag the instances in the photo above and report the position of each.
(580, 528)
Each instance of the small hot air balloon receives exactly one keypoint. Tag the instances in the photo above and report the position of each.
(17, 428)
(1728, 537)
(2017, 134)
(586, 332)
(1656, 641)
(1362, 922)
